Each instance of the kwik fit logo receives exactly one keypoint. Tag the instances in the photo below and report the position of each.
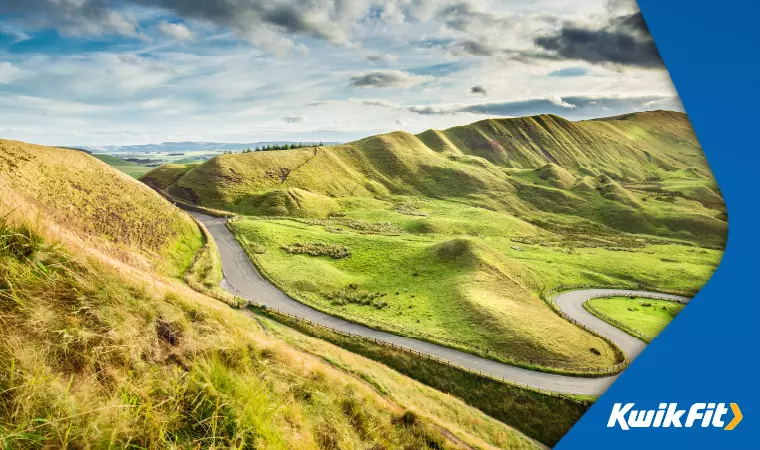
(669, 415)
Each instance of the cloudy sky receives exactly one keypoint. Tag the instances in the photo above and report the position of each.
(99, 72)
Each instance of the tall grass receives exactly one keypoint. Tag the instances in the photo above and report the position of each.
(542, 417)
(86, 362)
(108, 211)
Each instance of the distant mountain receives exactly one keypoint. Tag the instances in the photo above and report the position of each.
(186, 146)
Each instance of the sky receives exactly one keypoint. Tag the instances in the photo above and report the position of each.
(122, 72)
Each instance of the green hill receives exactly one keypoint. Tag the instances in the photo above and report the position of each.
(539, 202)
(107, 210)
(629, 172)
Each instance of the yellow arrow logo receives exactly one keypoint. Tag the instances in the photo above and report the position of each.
(737, 417)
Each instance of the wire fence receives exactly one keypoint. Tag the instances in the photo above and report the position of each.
(548, 297)
(208, 246)
(561, 366)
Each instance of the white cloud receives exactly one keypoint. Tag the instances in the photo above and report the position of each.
(557, 100)
(223, 80)
(175, 30)
(47, 106)
(8, 72)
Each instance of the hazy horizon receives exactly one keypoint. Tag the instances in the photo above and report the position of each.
(284, 140)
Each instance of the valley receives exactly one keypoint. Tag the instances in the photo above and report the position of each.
(458, 235)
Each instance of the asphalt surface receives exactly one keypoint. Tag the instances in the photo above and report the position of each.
(571, 303)
(242, 279)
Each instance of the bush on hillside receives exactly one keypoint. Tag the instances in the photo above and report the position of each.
(353, 295)
(373, 227)
(410, 209)
(335, 251)
(256, 248)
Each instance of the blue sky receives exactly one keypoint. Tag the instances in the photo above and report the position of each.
(117, 72)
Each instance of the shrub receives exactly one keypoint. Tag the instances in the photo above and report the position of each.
(335, 251)
(257, 248)
(410, 209)
(407, 419)
(352, 294)
(373, 228)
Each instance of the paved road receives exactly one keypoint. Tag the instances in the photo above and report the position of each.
(242, 279)
(571, 303)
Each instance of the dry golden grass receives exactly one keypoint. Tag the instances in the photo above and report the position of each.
(91, 360)
(99, 347)
(74, 193)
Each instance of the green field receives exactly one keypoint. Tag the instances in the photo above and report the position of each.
(647, 316)
(457, 233)
(134, 170)
(476, 282)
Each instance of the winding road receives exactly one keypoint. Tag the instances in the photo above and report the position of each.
(242, 279)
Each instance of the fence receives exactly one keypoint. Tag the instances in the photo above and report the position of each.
(547, 297)
(617, 368)
(628, 329)
(533, 365)
(564, 368)
(417, 353)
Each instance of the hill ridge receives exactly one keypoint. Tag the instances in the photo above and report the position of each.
(497, 163)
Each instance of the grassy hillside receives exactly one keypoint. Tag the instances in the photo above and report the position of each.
(641, 173)
(645, 316)
(134, 170)
(92, 360)
(102, 347)
(456, 233)
(165, 175)
(75, 193)
(480, 289)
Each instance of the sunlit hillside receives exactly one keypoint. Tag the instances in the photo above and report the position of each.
(102, 345)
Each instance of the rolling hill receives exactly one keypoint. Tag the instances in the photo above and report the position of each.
(458, 233)
(102, 345)
(639, 173)
(74, 193)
